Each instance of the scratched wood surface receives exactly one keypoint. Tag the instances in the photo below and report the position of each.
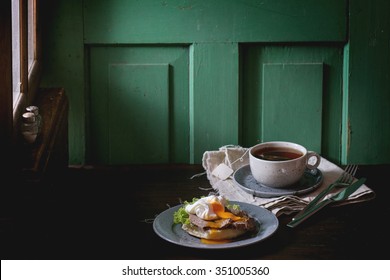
(107, 213)
(180, 21)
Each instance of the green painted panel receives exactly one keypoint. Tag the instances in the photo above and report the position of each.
(63, 64)
(137, 58)
(292, 103)
(138, 113)
(368, 100)
(214, 97)
(70, 25)
(182, 21)
(330, 56)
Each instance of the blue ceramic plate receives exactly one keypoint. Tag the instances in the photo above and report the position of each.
(267, 224)
(310, 181)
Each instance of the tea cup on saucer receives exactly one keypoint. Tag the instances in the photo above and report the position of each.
(280, 164)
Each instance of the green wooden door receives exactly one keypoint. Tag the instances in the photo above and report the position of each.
(169, 80)
(139, 104)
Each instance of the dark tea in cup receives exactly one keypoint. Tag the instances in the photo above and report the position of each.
(277, 153)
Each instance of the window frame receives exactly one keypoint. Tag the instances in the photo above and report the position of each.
(10, 114)
(29, 77)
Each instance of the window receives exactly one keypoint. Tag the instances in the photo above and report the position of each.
(19, 69)
(25, 53)
(16, 88)
(31, 27)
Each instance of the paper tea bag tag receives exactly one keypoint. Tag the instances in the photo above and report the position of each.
(222, 171)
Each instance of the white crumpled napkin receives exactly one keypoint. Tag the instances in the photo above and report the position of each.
(220, 166)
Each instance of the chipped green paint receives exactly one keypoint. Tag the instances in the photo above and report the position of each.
(215, 52)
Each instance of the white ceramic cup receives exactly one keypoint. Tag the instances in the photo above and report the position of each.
(280, 164)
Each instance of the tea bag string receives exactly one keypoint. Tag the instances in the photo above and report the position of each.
(241, 159)
(198, 175)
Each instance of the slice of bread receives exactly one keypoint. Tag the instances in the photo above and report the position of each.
(213, 234)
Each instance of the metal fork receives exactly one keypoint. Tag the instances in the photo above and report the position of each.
(342, 195)
(345, 179)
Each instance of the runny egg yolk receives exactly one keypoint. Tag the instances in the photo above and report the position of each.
(219, 209)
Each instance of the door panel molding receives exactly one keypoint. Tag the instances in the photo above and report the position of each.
(138, 104)
(316, 70)
(138, 113)
(292, 103)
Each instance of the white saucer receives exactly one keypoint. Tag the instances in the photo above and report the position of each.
(243, 178)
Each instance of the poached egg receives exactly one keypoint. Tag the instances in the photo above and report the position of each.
(210, 208)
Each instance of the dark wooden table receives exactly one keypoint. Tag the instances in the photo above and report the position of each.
(107, 213)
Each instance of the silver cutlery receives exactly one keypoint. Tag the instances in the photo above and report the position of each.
(344, 194)
(345, 179)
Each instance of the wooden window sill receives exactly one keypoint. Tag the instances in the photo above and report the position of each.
(49, 153)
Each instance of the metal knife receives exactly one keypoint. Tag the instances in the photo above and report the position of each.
(344, 194)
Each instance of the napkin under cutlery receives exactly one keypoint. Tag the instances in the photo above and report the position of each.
(220, 165)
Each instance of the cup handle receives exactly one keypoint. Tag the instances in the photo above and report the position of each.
(311, 154)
